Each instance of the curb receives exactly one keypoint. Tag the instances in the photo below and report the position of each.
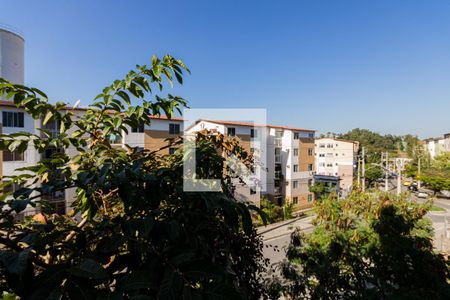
(280, 235)
(284, 224)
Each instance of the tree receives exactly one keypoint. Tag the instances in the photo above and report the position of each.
(320, 190)
(140, 236)
(373, 173)
(437, 175)
(366, 247)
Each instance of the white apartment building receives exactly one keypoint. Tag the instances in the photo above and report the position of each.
(436, 146)
(335, 157)
(288, 161)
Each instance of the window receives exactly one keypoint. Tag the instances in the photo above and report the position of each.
(311, 135)
(296, 135)
(49, 152)
(253, 190)
(295, 151)
(174, 128)
(322, 155)
(172, 150)
(310, 151)
(310, 167)
(253, 133)
(337, 154)
(139, 129)
(295, 184)
(322, 164)
(310, 197)
(329, 165)
(115, 138)
(13, 156)
(295, 200)
(329, 145)
(295, 168)
(310, 182)
(329, 154)
(231, 131)
(12, 119)
(321, 145)
(10, 188)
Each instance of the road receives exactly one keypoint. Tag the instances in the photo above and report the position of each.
(276, 237)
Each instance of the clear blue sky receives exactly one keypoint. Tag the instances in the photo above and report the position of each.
(327, 65)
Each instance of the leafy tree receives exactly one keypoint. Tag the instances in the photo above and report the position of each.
(320, 190)
(374, 143)
(437, 175)
(135, 233)
(272, 212)
(373, 173)
(366, 247)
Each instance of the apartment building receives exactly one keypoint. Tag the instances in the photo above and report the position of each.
(337, 158)
(154, 136)
(436, 146)
(287, 163)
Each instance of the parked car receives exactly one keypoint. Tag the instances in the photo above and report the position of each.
(422, 195)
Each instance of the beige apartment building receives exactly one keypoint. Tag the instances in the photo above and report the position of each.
(335, 157)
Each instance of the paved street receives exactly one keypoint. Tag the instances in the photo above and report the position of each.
(276, 237)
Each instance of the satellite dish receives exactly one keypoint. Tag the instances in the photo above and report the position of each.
(76, 103)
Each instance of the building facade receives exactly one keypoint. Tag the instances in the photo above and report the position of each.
(335, 157)
(288, 161)
(436, 146)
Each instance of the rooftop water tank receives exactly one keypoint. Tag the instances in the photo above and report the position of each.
(11, 55)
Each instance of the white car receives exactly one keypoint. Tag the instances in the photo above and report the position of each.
(422, 195)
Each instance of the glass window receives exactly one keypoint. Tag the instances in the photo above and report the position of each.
(310, 151)
(295, 200)
(310, 167)
(253, 133)
(295, 168)
(174, 128)
(13, 156)
(13, 119)
(296, 135)
(172, 150)
(10, 188)
(139, 129)
(231, 131)
(295, 184)
(295, 151)
(310, 197)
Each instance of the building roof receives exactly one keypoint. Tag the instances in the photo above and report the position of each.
(249, 124)
(154, 117)
(339, 140)
(163, 117)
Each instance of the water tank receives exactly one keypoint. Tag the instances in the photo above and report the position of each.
(11, 55)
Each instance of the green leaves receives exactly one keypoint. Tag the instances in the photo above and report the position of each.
(89, 269)
(140, 235)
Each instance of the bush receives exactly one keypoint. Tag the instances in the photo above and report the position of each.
(366, 247)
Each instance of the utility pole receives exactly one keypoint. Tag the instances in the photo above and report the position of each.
(358, 174)
(386, 170)
(418, 173)
(363, 175)
(399, 176)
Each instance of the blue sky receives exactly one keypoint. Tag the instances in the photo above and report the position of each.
(326, 65)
